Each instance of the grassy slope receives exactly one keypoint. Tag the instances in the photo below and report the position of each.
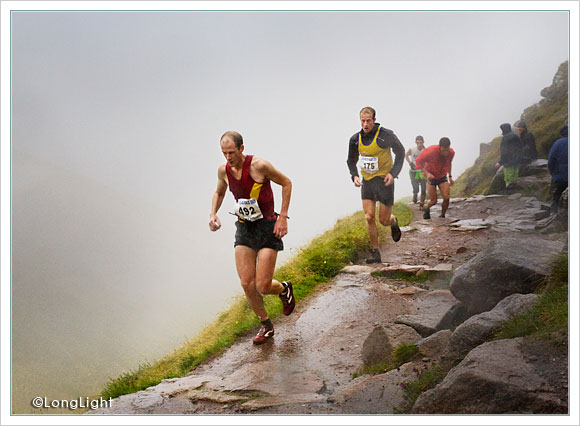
(316, 263)
(544, 120)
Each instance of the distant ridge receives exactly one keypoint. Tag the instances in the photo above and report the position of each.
(544, 120)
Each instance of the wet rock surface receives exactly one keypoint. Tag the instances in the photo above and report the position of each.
(430, 312)
(434, 345)
(504, 267)
(376, 348)
(478, 328)
(500, 377)
(308, 366)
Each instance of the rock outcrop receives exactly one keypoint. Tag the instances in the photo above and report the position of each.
(433, 346)
(502, 376)
(534, 179)
(431, 315)
(554, 224)
(376, 347)
(477, 329)
(559, 85)
(375, 394)
(505, 267)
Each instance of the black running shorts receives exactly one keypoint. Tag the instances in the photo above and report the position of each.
(257, 235)
(439, 181)
(376, 190)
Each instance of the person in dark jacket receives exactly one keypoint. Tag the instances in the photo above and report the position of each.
(510, 154)
(373, 145)
(529, 150)
(558, 167)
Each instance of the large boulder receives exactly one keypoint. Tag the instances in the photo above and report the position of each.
(376, 348)
(484, 148)
(379, 394)
(537, 167)
(534, 179)
(434, 345)
(537, 185)
(431, 312)
(506, 266)
(497, 185)
(477, 329)
(500, 377)
(555, 223)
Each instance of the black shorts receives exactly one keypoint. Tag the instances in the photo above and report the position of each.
(257, 235)
(439, 181)
(376, 190)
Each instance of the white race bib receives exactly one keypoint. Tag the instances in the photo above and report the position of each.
(369, 165)
(248, 209)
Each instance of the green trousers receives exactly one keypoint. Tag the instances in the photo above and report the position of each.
(510, 174)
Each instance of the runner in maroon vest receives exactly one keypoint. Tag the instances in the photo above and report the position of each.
(259, 230)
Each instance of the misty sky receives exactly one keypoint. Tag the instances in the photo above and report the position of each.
(138, 100)
(130, 107)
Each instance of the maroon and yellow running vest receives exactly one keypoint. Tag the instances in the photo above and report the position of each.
(247, 189)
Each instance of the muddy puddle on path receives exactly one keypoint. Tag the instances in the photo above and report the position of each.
(323, 338)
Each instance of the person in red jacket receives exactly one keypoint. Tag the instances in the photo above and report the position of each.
(259, 230)
(435, 161)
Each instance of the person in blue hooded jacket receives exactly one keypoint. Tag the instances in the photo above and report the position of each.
(510, 154)
(558, 167)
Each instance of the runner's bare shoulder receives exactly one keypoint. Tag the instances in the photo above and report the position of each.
(222, 172)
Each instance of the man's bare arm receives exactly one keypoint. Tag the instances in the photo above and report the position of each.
(407, 155)
(266, 169)
(218, 198)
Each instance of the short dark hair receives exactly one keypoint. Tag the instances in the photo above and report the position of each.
(419, 138)
(368, 110)
(444, 142)
(236, 137)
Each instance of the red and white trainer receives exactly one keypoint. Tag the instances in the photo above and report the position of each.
(264, 334)
(287, 298)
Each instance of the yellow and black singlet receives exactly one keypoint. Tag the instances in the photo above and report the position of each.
(374, 160)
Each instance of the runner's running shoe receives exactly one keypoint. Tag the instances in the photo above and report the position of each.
(395, 231)
(287, 298)
(441, 215)
(375, 257)
(426, 213)
(264, 334)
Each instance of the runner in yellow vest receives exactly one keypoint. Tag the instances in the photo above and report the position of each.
(373, 146)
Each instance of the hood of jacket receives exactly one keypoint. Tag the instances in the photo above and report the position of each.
(505, 128)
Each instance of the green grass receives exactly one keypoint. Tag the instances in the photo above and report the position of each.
(426, 379)
(404, 353)
(405, 200)
(548, 319)
(314, 264)
(401, 354)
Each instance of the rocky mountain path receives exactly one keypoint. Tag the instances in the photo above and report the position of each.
(307, 366)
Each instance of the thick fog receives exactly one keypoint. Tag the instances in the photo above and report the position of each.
(116, 120)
